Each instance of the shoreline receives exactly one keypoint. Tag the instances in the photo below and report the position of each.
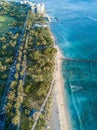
(60, 119)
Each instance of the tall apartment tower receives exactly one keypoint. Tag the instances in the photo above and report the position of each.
(40, 8)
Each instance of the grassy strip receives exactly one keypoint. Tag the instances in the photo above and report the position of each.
(5, 22)
(40, 67)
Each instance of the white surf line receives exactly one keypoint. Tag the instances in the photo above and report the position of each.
(77, 111)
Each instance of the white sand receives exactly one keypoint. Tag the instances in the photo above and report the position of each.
(59, 115)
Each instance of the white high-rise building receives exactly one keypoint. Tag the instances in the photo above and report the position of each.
(40, 8)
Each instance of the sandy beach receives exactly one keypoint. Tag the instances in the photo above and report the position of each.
(59, 119)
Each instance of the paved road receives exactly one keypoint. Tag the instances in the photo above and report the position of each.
(10, 79)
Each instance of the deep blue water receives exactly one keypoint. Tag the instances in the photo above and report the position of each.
(76, 35)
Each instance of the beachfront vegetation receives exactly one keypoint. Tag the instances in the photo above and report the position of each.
(40, 66)
(32, 49)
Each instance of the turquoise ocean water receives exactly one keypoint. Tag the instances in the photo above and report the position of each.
(76, 35)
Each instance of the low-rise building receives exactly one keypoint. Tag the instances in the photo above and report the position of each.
(41, 25)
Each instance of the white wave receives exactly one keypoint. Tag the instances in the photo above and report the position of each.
(92, 18)
(75, 88)
(77, 110)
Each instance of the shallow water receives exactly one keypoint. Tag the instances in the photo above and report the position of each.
(76, 35)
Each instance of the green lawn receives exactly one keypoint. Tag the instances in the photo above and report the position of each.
(5, 23)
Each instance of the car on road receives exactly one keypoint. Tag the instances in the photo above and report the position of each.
(2, 117)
